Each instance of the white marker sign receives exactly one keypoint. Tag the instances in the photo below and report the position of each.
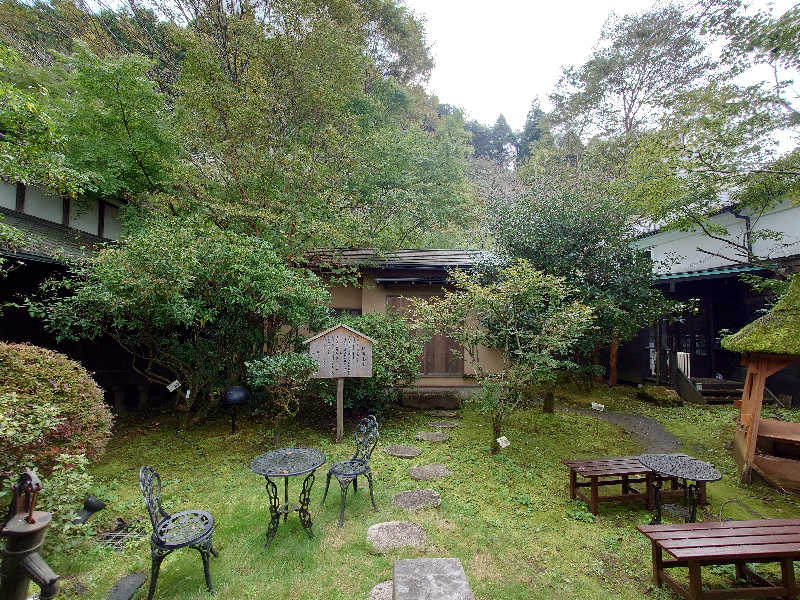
(503, 442)
(173, 386)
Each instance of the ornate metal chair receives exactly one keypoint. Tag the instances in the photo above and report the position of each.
(188, 528)
(347, 471)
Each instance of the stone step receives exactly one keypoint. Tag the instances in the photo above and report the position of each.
(126, 587)
(428, 472)
(382, 591)
(444, 424)
(430, 579)
(391, 535)
(444, 414)
(403, 451)
(433, 436)
(416, 499)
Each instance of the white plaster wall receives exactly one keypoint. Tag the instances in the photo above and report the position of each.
(112, 228)
(43, 204)
(8, 195)
(681, 249)
(83, 215)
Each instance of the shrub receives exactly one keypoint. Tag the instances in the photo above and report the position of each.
(52, 419)
(396, 358)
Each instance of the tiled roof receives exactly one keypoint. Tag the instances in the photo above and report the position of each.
(367, 257)
(47, 241)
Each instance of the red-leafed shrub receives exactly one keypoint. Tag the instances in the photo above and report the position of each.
(49, 407)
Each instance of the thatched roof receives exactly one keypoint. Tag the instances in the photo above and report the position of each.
(777, 332)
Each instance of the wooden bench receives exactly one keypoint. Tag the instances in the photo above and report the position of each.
(625, 471)
(694, 545)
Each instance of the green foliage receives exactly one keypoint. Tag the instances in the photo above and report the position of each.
(187, 301)
(396, 357)
(65, 406)
(521, 312)
(282, 375)
(31, 145)
(53, 420)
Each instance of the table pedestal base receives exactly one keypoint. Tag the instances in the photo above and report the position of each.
(276, 509)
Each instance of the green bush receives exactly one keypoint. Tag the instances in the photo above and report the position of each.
(52, 419)
(396, 358)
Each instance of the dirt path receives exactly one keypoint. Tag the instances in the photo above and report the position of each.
(649, 432)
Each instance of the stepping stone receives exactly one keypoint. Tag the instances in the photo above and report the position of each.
(127, 586)
(414, 499)
(444, 414)
(382, 591)
(431, 579)
(433, 436)
(396, 534)
(445, 424)
(403, 451)
(428, 472)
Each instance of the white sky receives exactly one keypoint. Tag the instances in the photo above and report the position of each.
(496, 56)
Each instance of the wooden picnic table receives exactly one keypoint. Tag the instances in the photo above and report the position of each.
(694, 545)
(625, 471)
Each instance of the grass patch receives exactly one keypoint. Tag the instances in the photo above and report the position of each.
(507, 517)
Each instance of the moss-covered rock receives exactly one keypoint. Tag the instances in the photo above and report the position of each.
(777, 332)
(659, 395)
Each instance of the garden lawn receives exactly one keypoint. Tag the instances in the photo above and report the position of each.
(507, 517)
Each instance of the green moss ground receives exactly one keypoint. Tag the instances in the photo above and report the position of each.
(507, 517)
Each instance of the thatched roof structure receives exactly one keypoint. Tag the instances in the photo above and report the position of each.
(777, 332)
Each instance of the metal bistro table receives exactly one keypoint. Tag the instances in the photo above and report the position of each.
(685, 468)
(288, 462)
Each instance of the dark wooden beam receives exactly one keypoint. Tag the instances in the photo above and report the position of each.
(20, 205)
(101, 218)
(66, 205)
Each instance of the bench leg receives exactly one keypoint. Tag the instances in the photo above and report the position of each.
(701, 487)
(572, 484)
(741, 574)
(626, 489)
(787, 578)
(695, 581)
(658, 565)
(595, 498)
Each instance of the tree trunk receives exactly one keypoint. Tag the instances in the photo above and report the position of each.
(613, 356)
(548, 405)
(497, 431)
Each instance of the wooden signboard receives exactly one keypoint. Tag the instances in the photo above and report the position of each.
(341, 352)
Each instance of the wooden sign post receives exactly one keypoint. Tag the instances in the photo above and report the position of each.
(341, 352)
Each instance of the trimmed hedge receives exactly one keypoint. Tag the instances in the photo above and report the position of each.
(51, 406)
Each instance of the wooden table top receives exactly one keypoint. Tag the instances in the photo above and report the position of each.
(598, 467)
(728, 539)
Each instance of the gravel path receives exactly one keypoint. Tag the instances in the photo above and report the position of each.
(650, 432)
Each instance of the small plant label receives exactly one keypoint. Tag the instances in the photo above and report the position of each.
(503, 442)
(188, 393)
(598, 406)
(173, 386)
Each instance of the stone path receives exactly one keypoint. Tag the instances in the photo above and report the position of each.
(383, 591)
(649, 432)
(428, 472)
(416, 499)
(444, 414)
(396, 534)
(430, 579)
(403, 451)
(433, 436)
(444, 424)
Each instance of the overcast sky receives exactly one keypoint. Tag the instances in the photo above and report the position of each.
(496, 56)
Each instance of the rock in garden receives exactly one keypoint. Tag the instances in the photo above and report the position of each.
(433, 436)
(126, 587)
(443, 414)
(403, 451)
(382, 591)
(427, 472)
(414, 499)
(445, 424)
(396, 534)
(431, 579)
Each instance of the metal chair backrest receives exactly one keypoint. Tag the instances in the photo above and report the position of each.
(150, 484)
(366, 437)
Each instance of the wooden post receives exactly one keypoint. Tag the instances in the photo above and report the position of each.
(340, 409)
